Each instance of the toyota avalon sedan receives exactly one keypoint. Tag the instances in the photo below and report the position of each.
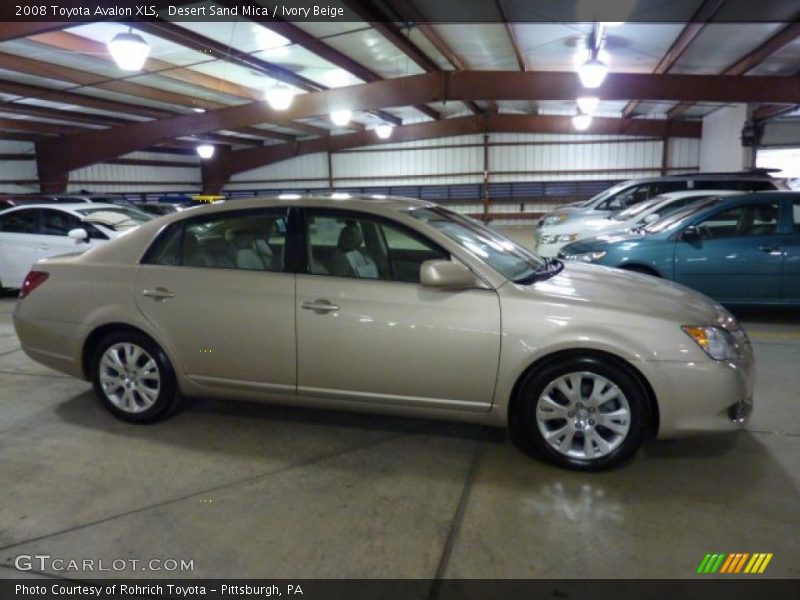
(739, 250)
(389, 306)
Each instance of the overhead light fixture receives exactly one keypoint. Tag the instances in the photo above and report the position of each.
(129, 51)
(581, 122)
(340, 196)
(199, 110)
(384, 131)
(205, 150)
(280, 96)
(341, 117)
(289, 197)
(588, 104)
(592, 73)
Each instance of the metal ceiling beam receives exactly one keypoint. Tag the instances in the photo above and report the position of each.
(189, 39)
(300, 37)
(244, 160)
(40, 127)
(14, 30)
(369, 12)
(771, 111)
(688, 34)
(522, 60)
(749, 61)
(88, 148)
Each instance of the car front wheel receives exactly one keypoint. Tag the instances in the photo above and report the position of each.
(584, 413)
(133, 378)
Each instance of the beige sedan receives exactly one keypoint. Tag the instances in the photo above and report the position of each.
(390, 306)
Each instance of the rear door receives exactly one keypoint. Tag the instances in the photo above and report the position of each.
(217, 290)
(55, 225)
(19, 241)
(739, 256)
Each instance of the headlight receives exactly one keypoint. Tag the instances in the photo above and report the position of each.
(587, 257)
(553, 220)
(718, 343)
(562, 238)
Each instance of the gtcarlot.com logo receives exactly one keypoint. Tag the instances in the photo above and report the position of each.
(735, 563)
(46, 562)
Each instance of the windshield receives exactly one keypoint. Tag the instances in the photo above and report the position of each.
(680, 216)
(605, 194)
(636, 209)
(116, 218)
(511, 260)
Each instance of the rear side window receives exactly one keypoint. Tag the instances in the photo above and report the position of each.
(250, 241)
(796, 213)
(740, 185)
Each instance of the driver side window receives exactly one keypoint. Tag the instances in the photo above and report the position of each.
(748, 220)
(362, 247)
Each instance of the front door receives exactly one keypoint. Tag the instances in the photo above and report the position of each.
(738, 257)
(215, 287)
(368, 331)
(20, 238)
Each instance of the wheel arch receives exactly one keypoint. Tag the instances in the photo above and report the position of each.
(653, 416)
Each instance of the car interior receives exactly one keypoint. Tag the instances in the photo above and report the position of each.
(752, 220)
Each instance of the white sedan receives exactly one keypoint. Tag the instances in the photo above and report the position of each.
(31, 232)
(549, 240)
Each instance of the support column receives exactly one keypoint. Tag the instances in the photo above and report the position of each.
(214, 171)
(53, 178)
(330, 171)
(486, 199)
(721, 145)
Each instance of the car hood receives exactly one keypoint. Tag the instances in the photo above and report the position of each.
(601, 242)
(605, 288)
(588, 227)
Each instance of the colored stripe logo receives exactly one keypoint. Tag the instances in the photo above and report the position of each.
(737, 562)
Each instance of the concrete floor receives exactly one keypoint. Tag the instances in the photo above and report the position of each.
(261, 491)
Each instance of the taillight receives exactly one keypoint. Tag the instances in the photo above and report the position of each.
(32, 281)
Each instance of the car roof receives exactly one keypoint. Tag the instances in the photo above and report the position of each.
(692, 193)
(355, 202)
(66, 206)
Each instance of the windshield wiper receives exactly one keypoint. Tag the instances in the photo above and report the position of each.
(552, 266)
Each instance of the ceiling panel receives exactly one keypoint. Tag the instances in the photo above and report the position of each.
(484, 46)
(722, 44)
(785, 61)
(372, 50)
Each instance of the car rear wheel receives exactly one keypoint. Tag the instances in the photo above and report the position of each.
(133, 378)
(584, 413)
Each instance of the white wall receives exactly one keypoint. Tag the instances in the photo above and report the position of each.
(542, 157)
(17, 170)
(721, 145)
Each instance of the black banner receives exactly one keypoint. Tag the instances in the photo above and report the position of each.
(730, 588)
(440, 11)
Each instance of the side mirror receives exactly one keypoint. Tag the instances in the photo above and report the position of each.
(691, 234)
(651, 218)
(79, 235)
(446, 274)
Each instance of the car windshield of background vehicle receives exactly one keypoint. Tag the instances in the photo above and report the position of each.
(678, 219)
(117, 218)
(636, 209)
(605, 194)
(511, 260)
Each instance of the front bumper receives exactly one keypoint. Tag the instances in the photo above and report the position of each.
(702, 397)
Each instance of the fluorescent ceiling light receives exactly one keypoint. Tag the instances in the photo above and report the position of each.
(205, 150)
(581, 122)
(129, 51)
(341, 117)
(592, 73)
(280, 97)
(384, 131)
(588, 104)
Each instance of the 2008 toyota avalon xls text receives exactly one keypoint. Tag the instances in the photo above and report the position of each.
(391, 306)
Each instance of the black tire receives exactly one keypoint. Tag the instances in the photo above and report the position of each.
(525, 429)
(161, 401)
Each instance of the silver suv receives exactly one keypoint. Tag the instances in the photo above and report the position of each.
(633, 191)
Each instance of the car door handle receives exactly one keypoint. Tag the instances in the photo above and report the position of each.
(771, 249)
(319, 306)
(159, 293)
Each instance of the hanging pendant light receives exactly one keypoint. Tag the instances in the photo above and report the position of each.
(129, 51)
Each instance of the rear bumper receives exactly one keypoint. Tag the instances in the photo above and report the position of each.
(55, 344)
(702, 397)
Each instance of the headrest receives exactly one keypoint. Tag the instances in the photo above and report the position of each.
(350, 238)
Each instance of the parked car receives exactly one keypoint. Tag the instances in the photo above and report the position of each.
(640, 214)
(11, 200)
(29, 233)
(158, 209)
(738, 250)
(631, 192)
(389, 306)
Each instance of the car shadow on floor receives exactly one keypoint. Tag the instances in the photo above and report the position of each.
(778, 315)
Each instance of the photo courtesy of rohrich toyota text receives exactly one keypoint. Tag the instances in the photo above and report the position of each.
(399, 299)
